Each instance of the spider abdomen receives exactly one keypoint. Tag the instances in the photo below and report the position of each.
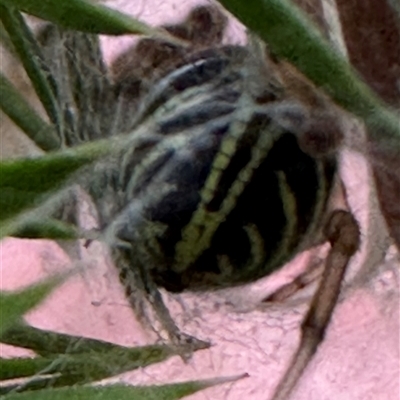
(262, 231)
(226, 194)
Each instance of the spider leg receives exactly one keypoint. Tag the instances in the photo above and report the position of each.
(141, 289)
(136, 253)
(343, 234)
(312, 274)
(78, 76)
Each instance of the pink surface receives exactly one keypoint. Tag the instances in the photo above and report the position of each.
(359, 359)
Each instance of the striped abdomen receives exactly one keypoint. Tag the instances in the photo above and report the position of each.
(225, 195)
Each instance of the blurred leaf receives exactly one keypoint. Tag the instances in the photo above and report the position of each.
(82, 15)
(39, 228)
(14, 305)
(72, 359)
(23, 183)
(24, 116)
(21, 367)
(291, 35)
(33, 61)
(124, 392)
(73, 369)
(48, 343)
(5, 41)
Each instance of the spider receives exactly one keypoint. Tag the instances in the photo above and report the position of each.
(230, 173)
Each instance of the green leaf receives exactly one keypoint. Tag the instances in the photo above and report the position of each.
(24, 116)
(124, 392)
(12, 368)
(6, 42)
(82, 15)
(39, 228)
(48, 343)
(73, 369)
(14, 305)
(75, 360)
(23, 183)
(291, 35)
(33, 61)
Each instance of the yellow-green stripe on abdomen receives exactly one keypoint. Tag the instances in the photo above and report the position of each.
(251, 226)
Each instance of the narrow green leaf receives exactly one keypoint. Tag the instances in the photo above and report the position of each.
(23, 183)
(124, 392)
(48, 343)
(77, 369)
(14, 305)
(291, 35)
(12, 368)
(33, 61)
(82, 15)
(75, 360)
(50, 228)
(6, 41)
(24, 116)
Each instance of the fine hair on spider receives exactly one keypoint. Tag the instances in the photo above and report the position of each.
(230, 169)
